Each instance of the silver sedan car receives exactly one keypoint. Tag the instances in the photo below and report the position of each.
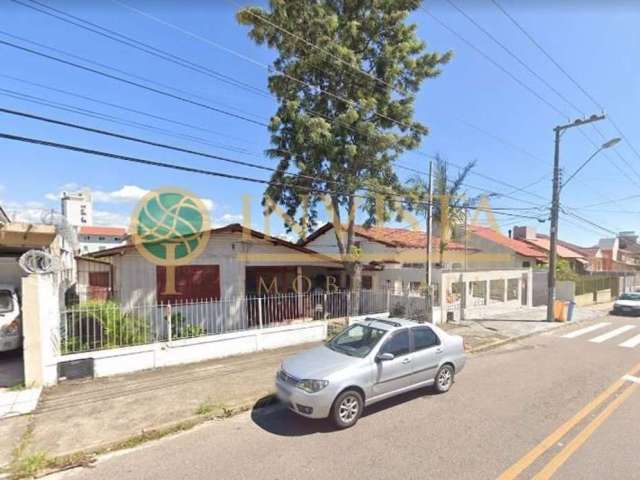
(367, 362)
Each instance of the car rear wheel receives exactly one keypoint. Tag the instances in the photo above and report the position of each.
(347, 409)
(444, 379)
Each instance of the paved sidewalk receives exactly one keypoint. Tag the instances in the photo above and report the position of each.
(119, 411)
(484, 333)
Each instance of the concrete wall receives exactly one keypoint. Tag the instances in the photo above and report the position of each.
(131, 359)
(540, 288)
(565, 290)
(41, 329)
(10, 271)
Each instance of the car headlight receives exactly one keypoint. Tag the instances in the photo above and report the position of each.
(312, 386)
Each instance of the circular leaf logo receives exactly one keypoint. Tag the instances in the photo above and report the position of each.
(170, 227)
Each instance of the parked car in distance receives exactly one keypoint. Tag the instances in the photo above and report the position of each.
(627, 304)
(10, 319)
(369, 361)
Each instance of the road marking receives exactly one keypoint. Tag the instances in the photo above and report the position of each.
(584, 331)
(632, 342)
(564, 454)
(521, 465)
(612, 333)
(631, 378)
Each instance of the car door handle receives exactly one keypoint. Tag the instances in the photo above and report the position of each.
(406, 360)
(439, 350)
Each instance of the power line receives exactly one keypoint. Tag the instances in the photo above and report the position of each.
(570, 77)
(255, 62)
(132, 83)
(144, 47)
(123, 107)
(117, 120)
(184, 168)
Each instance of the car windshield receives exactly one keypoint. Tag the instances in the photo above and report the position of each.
(630, 296)
(6, 301)
(357, 340)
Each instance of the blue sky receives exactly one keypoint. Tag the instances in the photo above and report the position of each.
(597, 45)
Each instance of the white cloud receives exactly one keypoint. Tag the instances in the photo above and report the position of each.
(25, 212)
(110, 219)
(125, 194)
(226, 219)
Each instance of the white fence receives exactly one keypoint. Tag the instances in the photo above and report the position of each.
(100, 325)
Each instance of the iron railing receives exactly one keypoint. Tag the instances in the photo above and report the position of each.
(100, 324)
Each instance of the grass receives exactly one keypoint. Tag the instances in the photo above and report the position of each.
(18, 387)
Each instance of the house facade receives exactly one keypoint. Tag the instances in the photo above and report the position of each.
(236, 263)
(392, 258)
(93, 239)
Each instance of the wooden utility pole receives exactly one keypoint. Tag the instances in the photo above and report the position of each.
(428, 293)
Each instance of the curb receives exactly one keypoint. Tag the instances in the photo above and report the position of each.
(73, 459)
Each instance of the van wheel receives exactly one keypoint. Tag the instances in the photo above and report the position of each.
(444, 379)
(347, 409)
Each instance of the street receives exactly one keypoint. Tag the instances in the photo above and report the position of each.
(529, 408)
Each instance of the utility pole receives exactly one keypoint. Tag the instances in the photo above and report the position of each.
(555, 210)
(428, 294)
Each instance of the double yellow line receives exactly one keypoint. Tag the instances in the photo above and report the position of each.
(559, 459)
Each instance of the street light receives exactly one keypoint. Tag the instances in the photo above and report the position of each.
(609, 144)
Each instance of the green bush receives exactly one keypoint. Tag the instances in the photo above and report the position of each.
(97, 324)
(180, 329)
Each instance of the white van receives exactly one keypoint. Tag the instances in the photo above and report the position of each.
(10, 319)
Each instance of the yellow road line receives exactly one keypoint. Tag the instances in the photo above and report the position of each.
(521, 465)
(564, 454)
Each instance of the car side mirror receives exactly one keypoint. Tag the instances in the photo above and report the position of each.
(384, 357)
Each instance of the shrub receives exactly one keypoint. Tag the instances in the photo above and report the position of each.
(181, 329)
(97, 324)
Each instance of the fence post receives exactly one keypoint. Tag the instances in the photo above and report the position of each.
(348, 306)
(259, 312)
(169, 315)
(388, 300)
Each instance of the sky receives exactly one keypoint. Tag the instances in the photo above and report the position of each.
(474, 109)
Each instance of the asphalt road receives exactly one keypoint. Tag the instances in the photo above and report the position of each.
(535, 406)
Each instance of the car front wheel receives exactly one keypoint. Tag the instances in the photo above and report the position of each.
(444, 379)
(347, 409)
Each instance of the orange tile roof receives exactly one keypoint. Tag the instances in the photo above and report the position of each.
(563, 252)
(106, 231)
(401, 237)
(518, 246)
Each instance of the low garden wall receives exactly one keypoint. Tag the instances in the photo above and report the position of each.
(143, 357)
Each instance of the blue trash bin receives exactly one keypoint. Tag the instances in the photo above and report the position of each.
(570, 307)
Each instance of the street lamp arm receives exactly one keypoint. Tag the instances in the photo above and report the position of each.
(581, 167)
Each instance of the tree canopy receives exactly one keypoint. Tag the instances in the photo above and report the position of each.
(345, 78)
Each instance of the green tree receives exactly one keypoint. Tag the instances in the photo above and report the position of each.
(449, 200)
(345, 77)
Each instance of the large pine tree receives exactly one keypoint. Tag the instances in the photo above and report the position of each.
(345, 77)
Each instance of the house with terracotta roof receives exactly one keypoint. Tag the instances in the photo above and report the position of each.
(392, 258)
(501, 251)
(578, 260)
(96, 238)
(236, 262)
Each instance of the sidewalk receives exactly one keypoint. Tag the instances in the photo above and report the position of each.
(488, 332)
(116, 412)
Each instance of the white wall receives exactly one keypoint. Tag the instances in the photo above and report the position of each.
(131, 359)
(135, 276)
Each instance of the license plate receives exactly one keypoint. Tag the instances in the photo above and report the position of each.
(626, 309)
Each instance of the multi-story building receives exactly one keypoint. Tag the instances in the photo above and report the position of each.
(77, 208)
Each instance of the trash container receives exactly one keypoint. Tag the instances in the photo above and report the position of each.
(560, 311)
(570, 308)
